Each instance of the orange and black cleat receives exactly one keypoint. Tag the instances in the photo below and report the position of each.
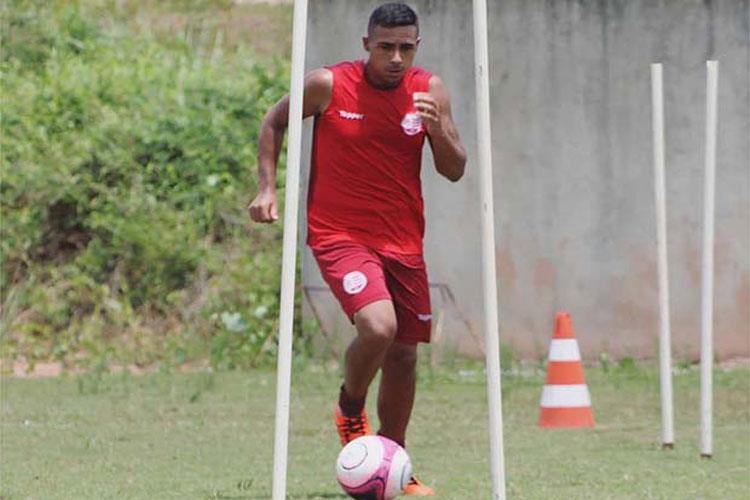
(351, 428)
(417, 488)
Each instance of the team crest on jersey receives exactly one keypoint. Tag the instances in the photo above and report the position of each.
(354, 282)
(412, 123)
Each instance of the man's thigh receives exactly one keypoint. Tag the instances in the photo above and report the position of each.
(406, 279)
(355, 275)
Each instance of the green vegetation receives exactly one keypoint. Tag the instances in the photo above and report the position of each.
(209, 436)
(128, 157)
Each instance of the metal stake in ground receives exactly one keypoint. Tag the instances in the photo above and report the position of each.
(665, 343)
(289, 255)
(491, 324)
(707, 295)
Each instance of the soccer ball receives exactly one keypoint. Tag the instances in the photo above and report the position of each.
(373, 468)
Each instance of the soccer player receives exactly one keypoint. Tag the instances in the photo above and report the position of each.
(365, 209)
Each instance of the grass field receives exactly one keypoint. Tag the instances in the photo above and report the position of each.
(209, 436)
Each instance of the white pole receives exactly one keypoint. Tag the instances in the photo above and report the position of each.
(707, 306)
(492, 331)
(665, 343)
(289, 255)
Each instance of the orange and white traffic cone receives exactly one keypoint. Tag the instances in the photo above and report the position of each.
(566, 402)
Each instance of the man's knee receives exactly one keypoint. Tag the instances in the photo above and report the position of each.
(401, 357)
(378, 323)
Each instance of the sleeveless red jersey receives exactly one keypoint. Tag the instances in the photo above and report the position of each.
(366, 159)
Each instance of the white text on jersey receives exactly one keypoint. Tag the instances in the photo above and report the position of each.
(351, 116)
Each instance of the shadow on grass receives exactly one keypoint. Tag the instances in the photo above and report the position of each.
(309, 496)
(316, 496)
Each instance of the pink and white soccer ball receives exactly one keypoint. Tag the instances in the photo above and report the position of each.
(373, 468)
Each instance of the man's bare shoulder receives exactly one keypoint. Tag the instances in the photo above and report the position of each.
(438, 89)
(318, 90)
(321, 78)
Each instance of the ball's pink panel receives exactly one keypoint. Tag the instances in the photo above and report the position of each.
(373, 468)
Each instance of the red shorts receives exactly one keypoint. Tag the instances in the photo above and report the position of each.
(359, 276)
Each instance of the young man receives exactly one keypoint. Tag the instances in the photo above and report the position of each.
(365, 209)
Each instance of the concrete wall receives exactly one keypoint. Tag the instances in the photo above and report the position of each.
(573, 174)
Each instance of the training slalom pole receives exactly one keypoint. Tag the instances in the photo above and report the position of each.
(289, 255)
(707, 288)
(665, 342)
(491, 324)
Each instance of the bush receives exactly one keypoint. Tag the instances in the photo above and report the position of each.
(126, 167)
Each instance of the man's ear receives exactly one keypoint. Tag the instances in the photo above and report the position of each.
(366, 43)
(419, 39)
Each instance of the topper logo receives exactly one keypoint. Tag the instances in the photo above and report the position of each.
(348, 115)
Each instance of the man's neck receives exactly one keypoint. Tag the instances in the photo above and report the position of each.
(376, 84)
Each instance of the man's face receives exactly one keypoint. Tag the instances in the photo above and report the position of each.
(392, 52)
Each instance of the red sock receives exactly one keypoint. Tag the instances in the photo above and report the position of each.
(350, 407)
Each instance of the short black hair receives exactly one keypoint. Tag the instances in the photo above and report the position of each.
(392, 14)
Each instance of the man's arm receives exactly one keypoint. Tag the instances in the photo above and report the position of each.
(435, 109)
(317, 94)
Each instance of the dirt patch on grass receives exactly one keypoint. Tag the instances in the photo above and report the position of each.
(270, 2)
(23, 369)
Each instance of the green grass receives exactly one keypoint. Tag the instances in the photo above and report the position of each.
(210, 436)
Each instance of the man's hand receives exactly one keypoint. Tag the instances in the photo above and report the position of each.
(435, 110)
(265, 207)
(429, 111)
